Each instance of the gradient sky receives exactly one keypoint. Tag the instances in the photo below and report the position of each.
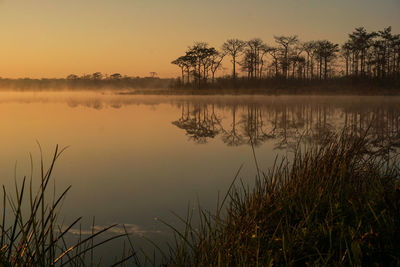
(53, 38)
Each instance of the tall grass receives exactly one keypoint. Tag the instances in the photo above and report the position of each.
(32, 236)
(331, 204)
(270, 85)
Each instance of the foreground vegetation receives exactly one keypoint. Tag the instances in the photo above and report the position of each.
(32, 236)
(335, 204)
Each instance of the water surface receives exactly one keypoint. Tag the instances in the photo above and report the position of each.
(133, 158)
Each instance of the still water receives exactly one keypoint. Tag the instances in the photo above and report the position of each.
(133, 158)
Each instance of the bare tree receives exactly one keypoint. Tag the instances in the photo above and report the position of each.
(310, 48)
(233, 47)
(286, 42)
(326, 53)
(264, 49)
(215, 63)
(254, 54)
(361, 40)
(181, 63)
(390, 47)
(346, 53)
(296, 60)
(274, 52)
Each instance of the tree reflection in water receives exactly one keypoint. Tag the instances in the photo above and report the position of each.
(285, 124)
(232, 136)
(200, 122)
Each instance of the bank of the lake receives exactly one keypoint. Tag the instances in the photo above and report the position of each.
(221, 85)
(243, 86)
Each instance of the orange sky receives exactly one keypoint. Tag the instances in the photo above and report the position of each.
(48, 38)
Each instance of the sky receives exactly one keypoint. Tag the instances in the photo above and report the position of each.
(54, 38)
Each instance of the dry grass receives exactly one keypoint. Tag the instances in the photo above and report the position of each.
(33, 236)
(335, 204)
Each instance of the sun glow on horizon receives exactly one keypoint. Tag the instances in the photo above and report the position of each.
(53, 39)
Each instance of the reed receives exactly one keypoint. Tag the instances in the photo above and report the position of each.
(332, 204)
(32, 236)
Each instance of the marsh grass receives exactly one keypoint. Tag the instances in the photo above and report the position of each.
(32, 236)
(280, 86)
(332, 204)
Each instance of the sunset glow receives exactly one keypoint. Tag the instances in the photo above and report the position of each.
(45, 38)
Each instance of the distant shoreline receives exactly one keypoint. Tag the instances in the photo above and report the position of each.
(222, 86)
(268, 91)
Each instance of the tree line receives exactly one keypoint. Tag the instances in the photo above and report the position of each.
(364, 54)
(94, 81)
(97, 76)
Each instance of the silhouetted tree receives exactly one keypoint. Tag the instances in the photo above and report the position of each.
(215, 63)
(275, 54)
(366, 54)
(233, 47)
(326, 52)
(296, 60)
(310, 50)
(72, 77)
(97, 76)
(346, 53)
(390, 48)
(116, 76)
(185, 62)
(200, 56)
(253, 60)
(86, 77)
(361, 41)
(180, 62)
(285, 43)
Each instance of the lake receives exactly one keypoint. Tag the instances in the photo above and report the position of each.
(133, 158)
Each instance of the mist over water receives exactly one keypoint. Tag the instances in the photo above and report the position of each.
(132, 158)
